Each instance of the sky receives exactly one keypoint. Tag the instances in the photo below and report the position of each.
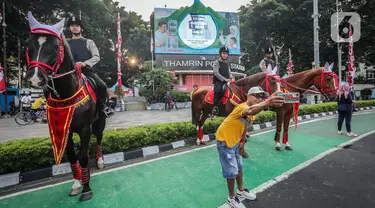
(146, 7)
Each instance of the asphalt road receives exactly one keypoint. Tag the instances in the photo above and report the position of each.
(343, 179)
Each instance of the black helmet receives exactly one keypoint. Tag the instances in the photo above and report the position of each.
(75, 20)
(268, 50)
(223, 49)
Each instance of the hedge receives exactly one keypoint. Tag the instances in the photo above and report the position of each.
(181, 96)
(27, 154)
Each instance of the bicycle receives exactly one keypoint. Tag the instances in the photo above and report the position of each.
(25, 117)
(169, 105)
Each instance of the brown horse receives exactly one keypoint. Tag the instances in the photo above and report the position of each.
(322, 78)
(236, 93)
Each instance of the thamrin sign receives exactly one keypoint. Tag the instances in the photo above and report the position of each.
(195, 30)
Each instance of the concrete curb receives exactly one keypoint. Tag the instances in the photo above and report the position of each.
(12, 179)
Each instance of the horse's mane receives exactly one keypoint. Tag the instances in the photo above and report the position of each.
(302, 74)
(251, 79)
(68, 52)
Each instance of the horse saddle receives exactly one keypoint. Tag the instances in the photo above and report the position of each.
(209, 98)
(91, 87)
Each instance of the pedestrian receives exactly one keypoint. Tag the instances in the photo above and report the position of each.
(345, 109)
(229, 135)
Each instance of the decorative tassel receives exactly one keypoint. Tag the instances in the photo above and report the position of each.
(295, 114)
(76, 169)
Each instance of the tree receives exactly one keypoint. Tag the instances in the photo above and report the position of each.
(153, 84)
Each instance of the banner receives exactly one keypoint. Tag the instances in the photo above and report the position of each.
(195, 30)
(2, 80)
(119, 55)
(351, 67)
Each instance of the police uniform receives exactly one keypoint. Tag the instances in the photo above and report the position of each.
(222, 72)
(267, 61)
(85, 50)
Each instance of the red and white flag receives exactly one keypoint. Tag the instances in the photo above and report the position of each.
(290, 64)
(351, 66)
(2, 80)
(119, 55)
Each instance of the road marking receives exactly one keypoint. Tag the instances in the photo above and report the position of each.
(181, 153)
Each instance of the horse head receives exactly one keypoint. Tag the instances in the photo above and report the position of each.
(269, 81)
(45, 52)
(327, 82)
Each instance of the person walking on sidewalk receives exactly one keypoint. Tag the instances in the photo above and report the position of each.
(345, 109)
(229, 135)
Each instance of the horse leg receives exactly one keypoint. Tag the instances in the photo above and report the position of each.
(202, 119)
(76, 169)
(197, 117)
(98, 128)
(287, 118)
(84, 161)
(279, 118)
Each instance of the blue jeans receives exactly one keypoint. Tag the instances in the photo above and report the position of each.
(230, 159)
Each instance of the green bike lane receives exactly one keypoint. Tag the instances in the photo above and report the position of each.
(193, 178)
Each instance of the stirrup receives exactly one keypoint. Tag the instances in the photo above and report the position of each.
(215, 110)
(108, 112)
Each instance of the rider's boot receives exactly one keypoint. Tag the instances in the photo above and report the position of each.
(215, 110)
(108, 112)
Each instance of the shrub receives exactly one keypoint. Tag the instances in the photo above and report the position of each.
(27, 154)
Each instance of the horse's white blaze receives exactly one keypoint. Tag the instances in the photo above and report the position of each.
(35, 80)
(278, 86)
(76, 184)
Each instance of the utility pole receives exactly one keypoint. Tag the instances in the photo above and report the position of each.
(5, 62)
(339, 46)
(315, 16)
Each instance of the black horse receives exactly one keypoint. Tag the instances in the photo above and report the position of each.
(51, 67)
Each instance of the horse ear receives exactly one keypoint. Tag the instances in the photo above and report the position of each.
(59, 27)
(32, 21)
(269, 69)
(331, 66)
(274, 70)
(326, 66)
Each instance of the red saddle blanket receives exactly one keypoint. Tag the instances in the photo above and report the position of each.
(209, 98)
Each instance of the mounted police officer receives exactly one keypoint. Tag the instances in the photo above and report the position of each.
(268, 53)
(222, 75)
(86, 54)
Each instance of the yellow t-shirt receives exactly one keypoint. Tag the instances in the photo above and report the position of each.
(232, 128)
(37, 104)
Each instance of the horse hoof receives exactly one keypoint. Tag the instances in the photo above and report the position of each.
(279, 148)
(203, 143)
(288, 148)
(100, 166)
(86, 196)
(75, 192)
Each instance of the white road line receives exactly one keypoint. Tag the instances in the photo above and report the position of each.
(165, 157)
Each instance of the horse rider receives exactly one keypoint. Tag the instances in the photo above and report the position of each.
(222, 75)
(86, 54)
(267, 60)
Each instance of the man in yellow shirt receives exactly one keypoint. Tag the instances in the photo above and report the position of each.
(36, 105)
(229, 135)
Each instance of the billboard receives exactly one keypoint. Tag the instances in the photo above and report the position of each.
(195, 30)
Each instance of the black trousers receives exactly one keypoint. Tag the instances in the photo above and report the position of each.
(102, 87)
(218, 89)
(347, 115)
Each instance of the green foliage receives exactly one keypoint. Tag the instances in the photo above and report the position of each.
(27, 154)
(153, 84)
(181, 96)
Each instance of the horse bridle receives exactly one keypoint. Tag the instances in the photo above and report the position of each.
(55, 68)
(266, 82)
(323, 84)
